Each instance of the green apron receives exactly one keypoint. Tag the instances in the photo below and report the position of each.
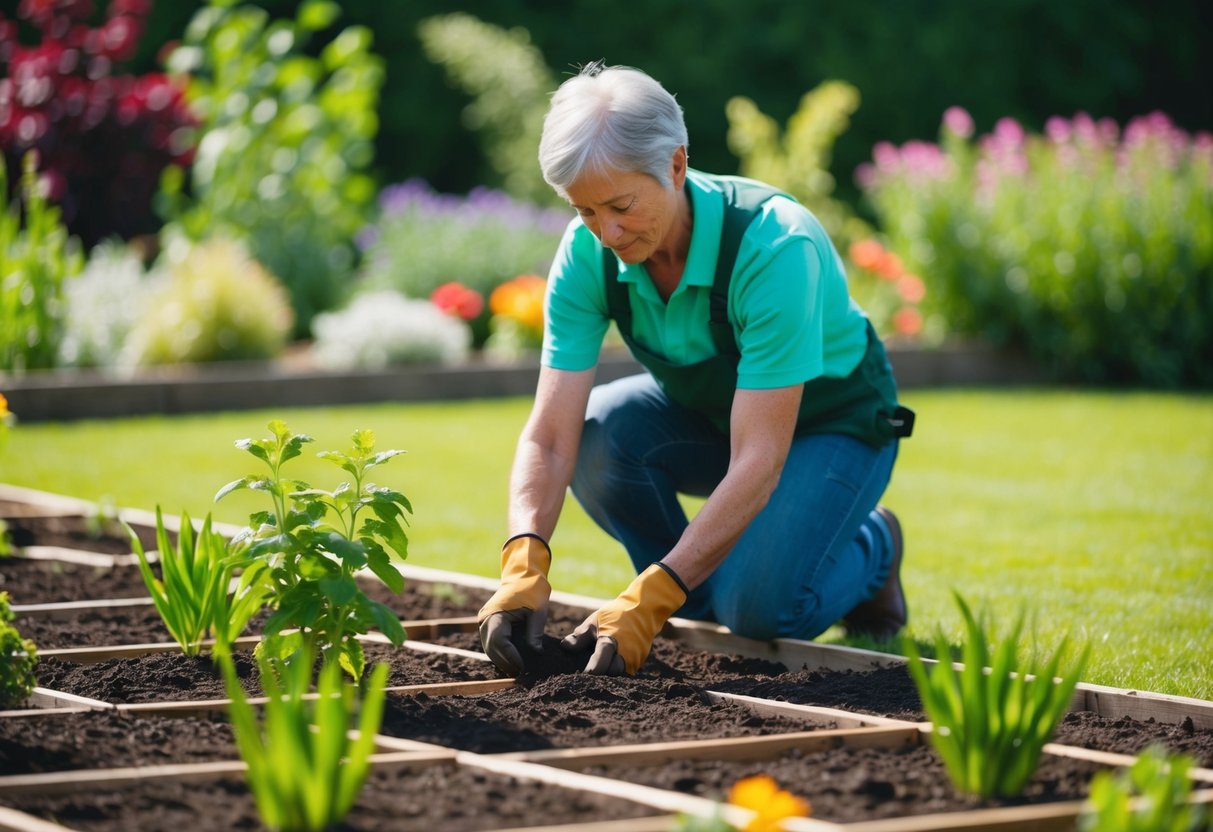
(862, 405)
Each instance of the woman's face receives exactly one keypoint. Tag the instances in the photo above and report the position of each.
(631, 213)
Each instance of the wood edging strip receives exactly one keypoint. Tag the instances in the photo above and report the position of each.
(59, 699)
(12, 820)
(749, 748)
(818, 714)
(64, 609)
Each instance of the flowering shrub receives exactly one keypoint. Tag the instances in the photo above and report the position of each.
(517, 316)
(886, 290)
(1088, 246)
(101, 306)
(384, 328)
(214, 303)
(103, 139)
(288, 130)
(423, 239)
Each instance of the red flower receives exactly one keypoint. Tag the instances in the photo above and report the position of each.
(911, 288)
(907, 321)
(456, 299)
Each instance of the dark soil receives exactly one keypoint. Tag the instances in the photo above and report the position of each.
(171, 677)
(95, 628)
(90, 534)
(434, 798)
(852, 784)
(109, 739)
(887, 692)
(50, 581)
(1126, 735)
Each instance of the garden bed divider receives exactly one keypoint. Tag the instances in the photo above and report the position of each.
(814, 713)
(67, 609)
(13, 821)
(47, 698)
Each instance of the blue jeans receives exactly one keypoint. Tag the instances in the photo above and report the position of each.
(815, 551)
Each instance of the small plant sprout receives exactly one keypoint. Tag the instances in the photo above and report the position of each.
(991, 718)
(313, 541)
(192, 595)
(17, 659)
(304, 770)
(1152, 795)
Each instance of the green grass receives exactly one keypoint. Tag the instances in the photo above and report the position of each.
(1090, 510)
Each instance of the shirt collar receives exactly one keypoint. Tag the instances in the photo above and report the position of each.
(707, 206)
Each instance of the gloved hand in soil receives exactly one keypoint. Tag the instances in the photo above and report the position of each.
(521, 601)
(622, 631)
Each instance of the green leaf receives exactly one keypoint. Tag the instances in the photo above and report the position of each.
(382, 457)
(390, 532)
(315, 15)
(235, 485)
(340, 590)
(351, 552)
(381, 565)
(257, 447)
(351, 658)
(388, 622)
(314, 566)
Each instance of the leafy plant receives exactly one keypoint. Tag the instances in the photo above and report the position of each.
(102, 137)
(36, 256)
(1089, 247)
(991, 718)
(192, 598)
(17, 659)
(507, 76)
(313, 542)
(288, 130)
(215, 303)
(423, 240)
(303, 769)
(1150, 796)
(798, 158)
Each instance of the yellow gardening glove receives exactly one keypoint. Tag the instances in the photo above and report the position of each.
(521, 599)
(622, 631)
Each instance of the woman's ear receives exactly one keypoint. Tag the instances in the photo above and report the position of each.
(678, 167)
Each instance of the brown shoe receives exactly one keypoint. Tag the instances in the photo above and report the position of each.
(884, 614)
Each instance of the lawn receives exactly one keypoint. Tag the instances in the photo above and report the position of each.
(1089, 510)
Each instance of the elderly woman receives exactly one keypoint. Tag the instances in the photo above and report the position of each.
(766, 391)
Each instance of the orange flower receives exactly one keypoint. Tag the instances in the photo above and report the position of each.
(911, 288)
(456, 299)
(888, 267)
(520, 299)
(907, 321)
(770, 804)
(866, 254)
(3, 406)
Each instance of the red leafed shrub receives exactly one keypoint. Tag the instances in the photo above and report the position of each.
(102, 138)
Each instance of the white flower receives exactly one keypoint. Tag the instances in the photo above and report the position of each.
(384, 328)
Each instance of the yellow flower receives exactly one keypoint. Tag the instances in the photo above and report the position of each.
(770, 804)
(3, 407)
(520, 299)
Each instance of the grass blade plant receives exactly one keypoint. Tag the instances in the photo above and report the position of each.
(313, 541)
(304, 770)
(1152, 795)
(991, 717)
(194, 579)
(17, 659)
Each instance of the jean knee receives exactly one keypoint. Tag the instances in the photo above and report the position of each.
(758, 615)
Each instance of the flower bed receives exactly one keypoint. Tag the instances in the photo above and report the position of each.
(835, 725)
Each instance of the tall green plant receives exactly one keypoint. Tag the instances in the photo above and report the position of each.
(287, 143)
(303, 769)
(17, 659)
(193, 598)
(1152, 795)
(798, 159)
(991, 718)
(36, 257)
(507, 77)
(313, 541)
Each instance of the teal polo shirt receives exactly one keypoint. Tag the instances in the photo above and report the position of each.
(792, 315)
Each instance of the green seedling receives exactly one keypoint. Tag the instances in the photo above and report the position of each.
(17, 659)
(303, 769)
(991, 718)
(1150, 796)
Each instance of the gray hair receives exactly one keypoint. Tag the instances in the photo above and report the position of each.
(610, 118)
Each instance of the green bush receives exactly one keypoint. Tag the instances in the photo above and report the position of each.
(287, 139)
(36, 257)
(215, 303)
(17, 659)
(423, 240)
(1152, 795)
(510, 83)
(1090, 248)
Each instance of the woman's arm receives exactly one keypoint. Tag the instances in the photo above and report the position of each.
(761, 424)
(547, 451)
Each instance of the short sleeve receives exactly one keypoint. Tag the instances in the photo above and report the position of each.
(575, 310)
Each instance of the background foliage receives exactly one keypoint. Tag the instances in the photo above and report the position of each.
(910, 60)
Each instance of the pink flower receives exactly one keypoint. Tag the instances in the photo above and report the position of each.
(907, 321)
(1008, 131)
(958, 122)
(885, 155)
(1057, 129)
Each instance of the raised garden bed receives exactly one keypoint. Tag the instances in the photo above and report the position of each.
(835, 725)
